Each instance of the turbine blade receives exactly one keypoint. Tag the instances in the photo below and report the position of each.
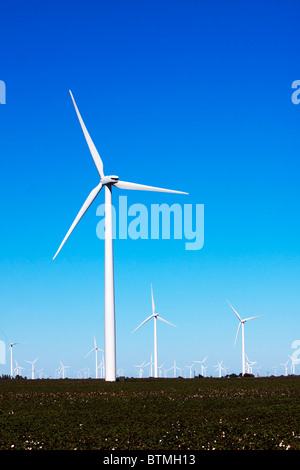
(235, 311)
(80, 214)
(90, 352)
(237, 333)
(159, 318)
(142, 187)
(251, 318)
(5, 336)
(153, 306)
(93, 150)
(147, 319)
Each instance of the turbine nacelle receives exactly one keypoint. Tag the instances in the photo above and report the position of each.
(112, 179)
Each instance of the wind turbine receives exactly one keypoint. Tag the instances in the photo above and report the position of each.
(96, 349)
(202, 365)
(190, 367)
(140, 369)
(160, 369)
(175, 368)
(285, 367)
(63, 369)
(249, 364)
(242, 322)
(155, 317)
(11, 353)
(18, 369)
(108, 182)
(219, 368)
(32, 367)
(293, 362)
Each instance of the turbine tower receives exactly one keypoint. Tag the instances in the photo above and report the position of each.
(155, 317)
(242, 322)
(109, 304)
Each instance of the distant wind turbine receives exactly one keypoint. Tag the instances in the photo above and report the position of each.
(11, 345)
(190, 367)
(160, 369)
(18, 369)
(96, 349)
(140, 366)
(32, 367)
(219, 368)
(202, 365)
(293, 362)
(285, 367)
(242, 322)
(174, 367)
(155, 317)
(108, 182)
(63, 369)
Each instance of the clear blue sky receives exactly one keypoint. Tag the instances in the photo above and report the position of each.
(190, 95)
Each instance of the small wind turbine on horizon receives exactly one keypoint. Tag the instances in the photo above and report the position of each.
(249, 364)
(293, 362)
(174, 367)
(155, 317)
(11, 353)
(202, 365)
(160, 369)
(242, 322)
(219, 368)
(285, 367)
(32, 367)
(108, 182)
(190, 367)
(96, 349)
(63, 369)
(18, 369)
(140, 366)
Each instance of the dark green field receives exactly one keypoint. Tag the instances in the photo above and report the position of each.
(152, 414)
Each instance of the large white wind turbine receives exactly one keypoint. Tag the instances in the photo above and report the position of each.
(242, 322)
(155, 317)
(108, 182)
(96, 349)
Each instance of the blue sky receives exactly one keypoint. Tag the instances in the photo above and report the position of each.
(194, 96)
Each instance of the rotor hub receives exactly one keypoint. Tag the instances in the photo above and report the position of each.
(109, 179)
